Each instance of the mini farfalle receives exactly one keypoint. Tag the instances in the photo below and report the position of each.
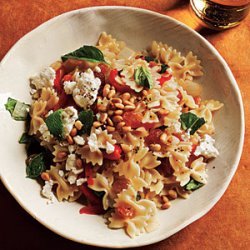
(134, 216)
(50, 96)
(212, 105)
(198, 170)
(60, 153)
(95, 157)
(37, 111)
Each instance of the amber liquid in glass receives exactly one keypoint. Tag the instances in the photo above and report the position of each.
(220, 14)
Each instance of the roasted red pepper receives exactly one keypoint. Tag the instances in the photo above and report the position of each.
(164, 78)
(116, 155)
(89, 174)
(119, 87)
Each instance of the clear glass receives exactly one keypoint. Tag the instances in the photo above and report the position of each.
(220, 14)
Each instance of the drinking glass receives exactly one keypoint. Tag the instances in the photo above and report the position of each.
(220, 14)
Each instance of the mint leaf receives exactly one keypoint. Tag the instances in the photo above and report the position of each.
(86, 117)
(54, 123)
(193, 185)
(149, 59)
(164, 68)
(191, 121)
(87, 53)
(143, 77)
(35, 166)
(26, 138)
(18, 110)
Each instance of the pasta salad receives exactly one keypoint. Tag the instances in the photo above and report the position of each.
(123, 132)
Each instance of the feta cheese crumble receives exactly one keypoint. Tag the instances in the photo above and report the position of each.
(69, 116)
(207, 148)
(47, 190)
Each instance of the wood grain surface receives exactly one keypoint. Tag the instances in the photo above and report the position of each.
(227, 225)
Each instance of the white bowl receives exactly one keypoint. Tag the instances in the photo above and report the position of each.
(137, 27)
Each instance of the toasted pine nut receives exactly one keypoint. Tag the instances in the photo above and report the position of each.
(145, 92)
(126, 129)
(111, 93)
(70, 140)
(61, 154)
(172, 194)
(110, 122)
(126, 96)
(97, 124)
(78, 163)
(165, 199)
(110, 112)
(78, 125)
(45, 176)
(119, 105)
(103, 117)
(120, 125)
(117, 118)
(126, 102)
(166, 205)
(118, 112)
(164, 138)
(129, 107)
(132, 99)
(102, 107)
(73, 132)
(110, 129)
(106, 90)
(155, 147)
(116, 100)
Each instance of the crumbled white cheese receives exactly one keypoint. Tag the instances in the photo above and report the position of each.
(44, 79)
(61, 173)
(77, 171)
(69, 87)
(79, 140)
(70, 163)
(97, 69)
(72, 148)
(86, 89)
(47, 190)
(207, 148)
(109, 148)
(80, 181)
(69, 116)
(174, 127)
(93, 142)
(72, 178)
(45, 134)
(98, 116)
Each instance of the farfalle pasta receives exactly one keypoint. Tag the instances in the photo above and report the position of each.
(124, 132)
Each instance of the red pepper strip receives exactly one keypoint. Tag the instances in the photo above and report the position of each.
(89, 174)
(91, 210)
(104, 68)
(89, 194)
(116, 155)
(57, 82)
(164, 78)
(119, 87)
(67, 77)
(179, 95)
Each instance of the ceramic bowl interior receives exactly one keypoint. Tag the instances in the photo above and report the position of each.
(137, 28)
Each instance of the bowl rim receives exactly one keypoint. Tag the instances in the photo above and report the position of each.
(233, 84)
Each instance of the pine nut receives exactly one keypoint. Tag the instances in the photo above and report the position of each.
(166, 205)
(126, 96)
(128, 103)
(110, 129)
(45, 176)
(61, 154)
(103, 117)
(102, 107)
(126, 129)
(110, 112)
(118, 112)
(117, 118)
(70, 140)
(97, 124)
(116, 100)
(120, 125)
(119, 105)
(172, 194)
(73, 132)
(110, 122)
(145, 92)
(111, 93)
(106, 90)
(78, 125)
(132, 99)
(129, 108)
(78, 163)
(155, 147)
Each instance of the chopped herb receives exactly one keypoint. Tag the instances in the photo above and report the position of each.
(35, 166)
(191, 121)
(26, 138)
(18, 110)
(164, 68)
(87, 118)
(100, 194)
(54, 123)
(143, 77)
(149, 58)
(193, 185)
(87, 53)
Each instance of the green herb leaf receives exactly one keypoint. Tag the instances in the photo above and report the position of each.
(191, 121)
(99, 194)
(35, 166)
(164, 68)
(18, 110)
(193, 185)
(143, 77)
(26, 138)
(87, 118)
(54, 123)
(87, 53)
(149, 58)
